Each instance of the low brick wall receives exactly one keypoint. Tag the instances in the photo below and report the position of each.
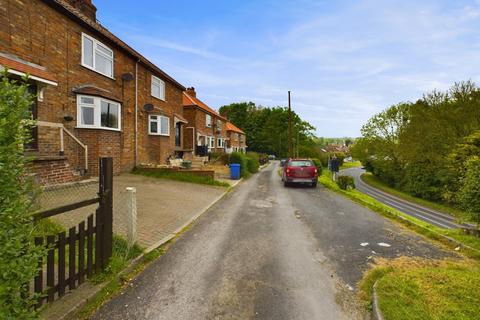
(203, 173)
(53, 171)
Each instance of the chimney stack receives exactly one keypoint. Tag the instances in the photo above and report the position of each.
(191, 92)
(86, 7)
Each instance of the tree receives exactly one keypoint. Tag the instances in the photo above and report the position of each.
(470, 192)
(18, 254)
(266, 129)
(381, 139)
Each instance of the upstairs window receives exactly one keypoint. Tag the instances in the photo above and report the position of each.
(208, 121)
(97, 56)
(158, 125)
(96, 112)
(158, 88)
(219, 124)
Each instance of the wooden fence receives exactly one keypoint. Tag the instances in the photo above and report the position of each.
(88, 246)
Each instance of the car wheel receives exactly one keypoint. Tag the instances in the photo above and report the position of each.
(314, 184)
(285, 183)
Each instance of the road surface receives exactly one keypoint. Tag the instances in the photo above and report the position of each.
(268, 252)
(428, 215)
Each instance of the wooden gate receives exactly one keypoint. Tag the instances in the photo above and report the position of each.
(88, 246)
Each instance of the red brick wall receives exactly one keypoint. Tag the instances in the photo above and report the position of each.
(54, 171)
(37, 33)
(153, 148)
(196, 117)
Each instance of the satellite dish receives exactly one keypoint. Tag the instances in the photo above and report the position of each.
(127, 76)
(148, 107)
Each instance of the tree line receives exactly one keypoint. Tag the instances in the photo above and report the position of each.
(429, 148)
(266, 129)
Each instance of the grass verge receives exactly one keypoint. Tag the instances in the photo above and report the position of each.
(182, 176)
(409, 288)
(373, 181)
(471, 244)
(348, 165)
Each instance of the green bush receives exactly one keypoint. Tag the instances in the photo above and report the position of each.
(241, 159)
(252, 165)
(318, 164)
(253, 155)
(470, 192)
(18, 255)
(345, 182)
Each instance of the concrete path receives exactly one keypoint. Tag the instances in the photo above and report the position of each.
(267, 252)
(428, 215)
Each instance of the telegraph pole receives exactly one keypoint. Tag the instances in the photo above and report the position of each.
(290, 142)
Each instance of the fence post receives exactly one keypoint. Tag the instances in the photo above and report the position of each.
(131, 216)
(106, 204)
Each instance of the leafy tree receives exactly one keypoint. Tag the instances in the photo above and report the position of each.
(267, 129)
(424, 147)
(380, 142)
(470, 192)
(18, 255)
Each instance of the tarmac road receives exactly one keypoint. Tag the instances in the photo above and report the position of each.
(268, 252)
(428, 215)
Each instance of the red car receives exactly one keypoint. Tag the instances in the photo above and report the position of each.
(300, 171)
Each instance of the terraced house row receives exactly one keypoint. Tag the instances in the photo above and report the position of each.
(97, 96)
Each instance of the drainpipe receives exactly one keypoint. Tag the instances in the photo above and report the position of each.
(135, 156)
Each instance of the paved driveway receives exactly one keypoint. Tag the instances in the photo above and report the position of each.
(268, 252)
(163, 206)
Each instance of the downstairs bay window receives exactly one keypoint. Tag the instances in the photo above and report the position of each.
(158, 125)
(98, 113)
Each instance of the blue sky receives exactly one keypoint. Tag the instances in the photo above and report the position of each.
(343, 60)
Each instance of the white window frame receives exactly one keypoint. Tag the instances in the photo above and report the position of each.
(219, 124)
(208, 120)
(156, 81)
(95, 44)
(97, 112)
(220, 143)
(158, 121)
(210, 142)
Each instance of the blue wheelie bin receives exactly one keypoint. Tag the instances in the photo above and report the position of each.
(235, 171)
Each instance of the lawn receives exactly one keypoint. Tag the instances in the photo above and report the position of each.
(182, 176)
(373, 181)
(348, 165)
(409, 289)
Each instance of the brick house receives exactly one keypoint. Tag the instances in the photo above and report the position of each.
(96, 96)
(236, 139)
(206, 130)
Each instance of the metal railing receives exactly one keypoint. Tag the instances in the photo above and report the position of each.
(63, 130)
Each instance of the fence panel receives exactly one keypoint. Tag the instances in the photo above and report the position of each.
(68, 252)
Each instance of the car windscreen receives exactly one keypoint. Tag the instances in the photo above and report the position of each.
(300, 163)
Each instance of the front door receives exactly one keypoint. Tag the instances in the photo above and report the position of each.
(178, 134)
(33, 143)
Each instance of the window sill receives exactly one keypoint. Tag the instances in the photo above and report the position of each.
(92, 69)
(163, 100)
(159, 135)
(98, 128)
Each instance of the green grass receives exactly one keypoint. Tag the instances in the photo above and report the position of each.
(121, 256)
(471, 244)
(45, 227)
(409, 289)
(373, 181)
(182, 176)
(347, 165)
